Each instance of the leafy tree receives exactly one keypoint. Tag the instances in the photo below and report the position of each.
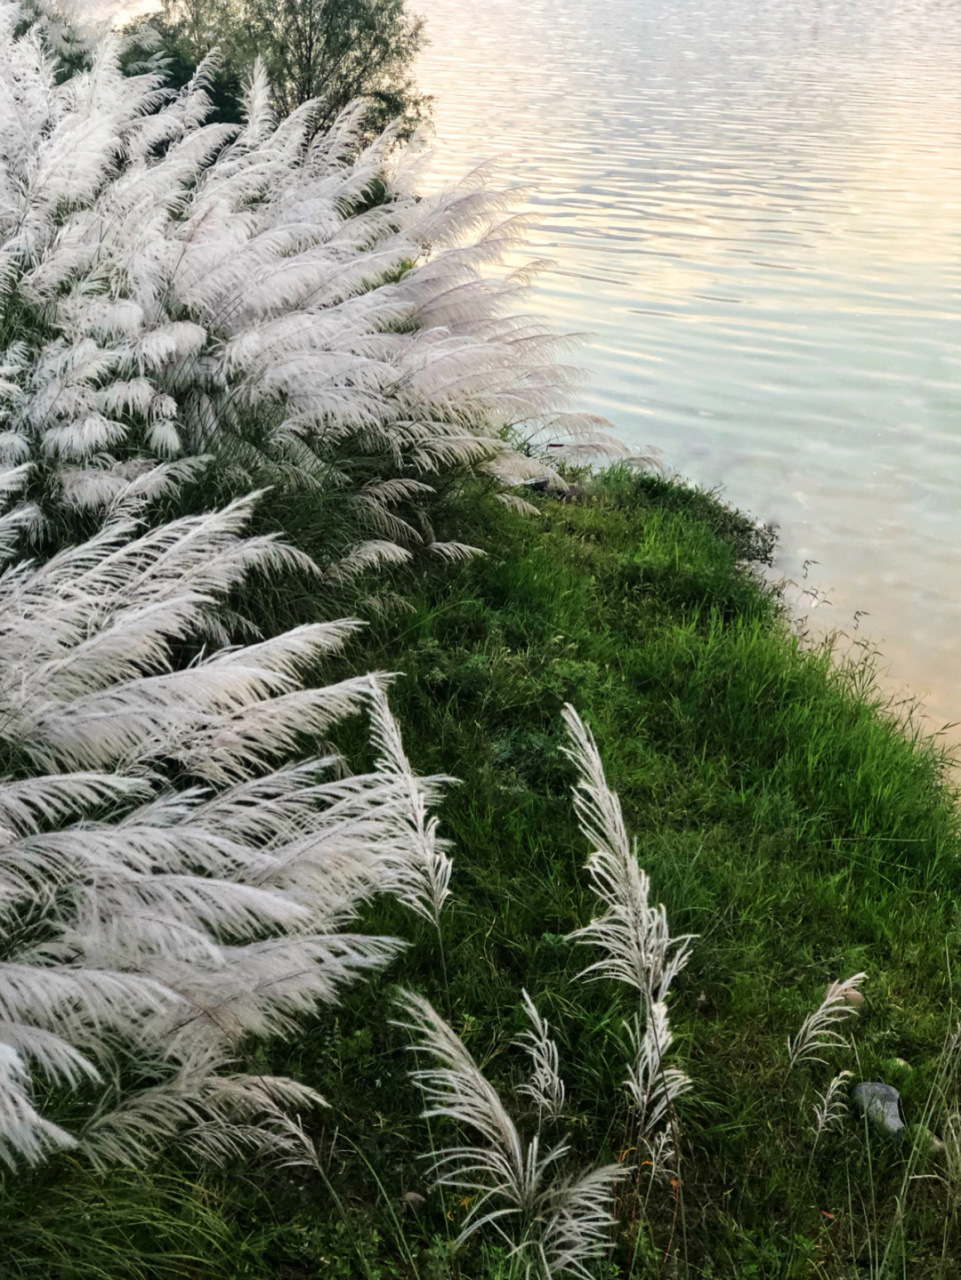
(330, 50)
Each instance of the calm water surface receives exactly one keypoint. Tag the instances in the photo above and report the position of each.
(755, 210)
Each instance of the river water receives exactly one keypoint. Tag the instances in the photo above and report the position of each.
(754, 208)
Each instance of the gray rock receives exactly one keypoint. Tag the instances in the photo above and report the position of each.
(880, 1103)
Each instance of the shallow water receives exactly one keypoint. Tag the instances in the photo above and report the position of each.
(753, 207)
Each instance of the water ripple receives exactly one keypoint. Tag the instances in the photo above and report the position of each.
(753, 207)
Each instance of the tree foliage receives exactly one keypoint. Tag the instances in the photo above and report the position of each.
(329, 52)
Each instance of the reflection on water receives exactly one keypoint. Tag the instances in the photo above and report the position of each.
(753, 206)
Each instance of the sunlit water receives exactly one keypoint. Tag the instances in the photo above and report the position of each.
(753, 207)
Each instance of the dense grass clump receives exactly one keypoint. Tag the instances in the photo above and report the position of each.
(784, 817)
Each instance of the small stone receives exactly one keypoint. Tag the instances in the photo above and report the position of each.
(852, 995)
(927, 1143)
(413, 1200)
(880, 1103)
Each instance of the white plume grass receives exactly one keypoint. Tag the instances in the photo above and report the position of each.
(174, 876)
(635, 943)
(652, 1085)
(819, 1030)
(553, 1222)
(831, 1106)
(417, 866)
(234, 290)
(633, 936)
(545, 1087)
(170, 882)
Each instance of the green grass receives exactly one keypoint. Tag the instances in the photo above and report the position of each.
(63, 1223)
(783, 816)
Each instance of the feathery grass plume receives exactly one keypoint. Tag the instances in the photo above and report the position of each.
(545, 1086)
(653, 1087)
(831, 1106)
(635, 941)
(198, 288)
(634, 936)
(554, 1223)
(417, 868)
(819, 1031)
(170, 883)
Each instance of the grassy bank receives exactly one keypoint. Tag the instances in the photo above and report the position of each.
(180, 853)
(783, 818)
